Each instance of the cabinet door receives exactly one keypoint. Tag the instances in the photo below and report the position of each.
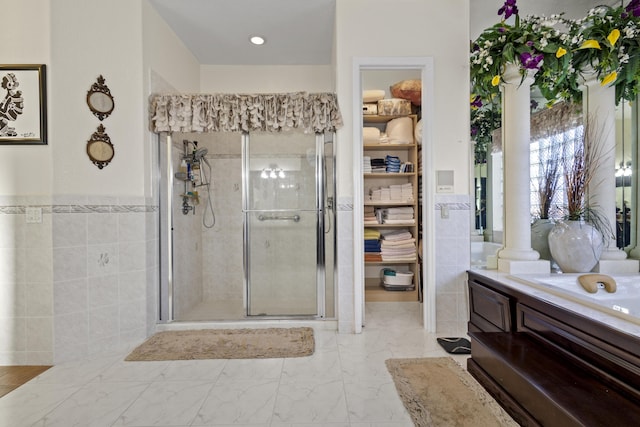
(490, 311)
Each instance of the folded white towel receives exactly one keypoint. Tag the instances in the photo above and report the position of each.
(370, 135)
(399, 221)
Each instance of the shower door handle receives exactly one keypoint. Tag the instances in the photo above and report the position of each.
(294, 218)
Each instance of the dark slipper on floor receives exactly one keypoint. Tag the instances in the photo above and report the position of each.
(455, 345)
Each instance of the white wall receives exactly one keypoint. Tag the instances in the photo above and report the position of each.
(26, 170)
(266, 79)
(168, 66)
(166, 54)
(92, 38)
(413, 28)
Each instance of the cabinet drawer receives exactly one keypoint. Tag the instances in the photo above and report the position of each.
(490, 311)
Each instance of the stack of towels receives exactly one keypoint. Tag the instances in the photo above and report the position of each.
(370, 165)
(372, 249)
(366, 164)
(394, 193)
(400, 215)
(401, 192)
(370, 217)
(393, 164)
(372, 136)
(390, 164)
(378, 166)
(398, 246)
(420, 178)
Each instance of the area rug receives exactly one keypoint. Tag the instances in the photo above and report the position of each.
(438, 392)
(226, 344)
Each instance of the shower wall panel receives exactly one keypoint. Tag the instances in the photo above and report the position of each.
(187, 243)
(222, 244)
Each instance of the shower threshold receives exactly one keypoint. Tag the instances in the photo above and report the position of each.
(232, 311)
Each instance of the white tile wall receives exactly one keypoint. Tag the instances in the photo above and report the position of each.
(345, 265)
(77, 283)
(222, 275)
(452, 261)
(26, 292)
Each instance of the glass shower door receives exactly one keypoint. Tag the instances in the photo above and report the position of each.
(282, 223)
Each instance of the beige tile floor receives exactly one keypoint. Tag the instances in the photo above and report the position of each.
(344, 383)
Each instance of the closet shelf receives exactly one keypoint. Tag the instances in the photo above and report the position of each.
(407, 154)
(389, 225)
(390, 262)
(374, 118)
(389, 174)
(394, 203)
(383, 147)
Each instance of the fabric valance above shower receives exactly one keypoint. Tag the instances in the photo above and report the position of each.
(310, 112)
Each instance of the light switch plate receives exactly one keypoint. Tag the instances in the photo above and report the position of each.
(444, 211)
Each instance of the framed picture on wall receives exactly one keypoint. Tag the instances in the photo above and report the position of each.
(23, 104)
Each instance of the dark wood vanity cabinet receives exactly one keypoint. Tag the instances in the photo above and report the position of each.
(489, 310)
(549, 366)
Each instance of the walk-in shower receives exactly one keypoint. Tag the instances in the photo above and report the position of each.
(253, 236)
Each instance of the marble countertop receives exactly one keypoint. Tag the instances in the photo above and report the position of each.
(622, 322)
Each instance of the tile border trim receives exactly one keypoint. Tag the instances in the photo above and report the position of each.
(49, 209)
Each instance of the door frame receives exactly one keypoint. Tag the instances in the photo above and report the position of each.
(426, 67)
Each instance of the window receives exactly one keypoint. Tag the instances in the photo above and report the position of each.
(547, 157)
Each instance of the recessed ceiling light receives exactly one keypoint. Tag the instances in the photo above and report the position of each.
(257, 40)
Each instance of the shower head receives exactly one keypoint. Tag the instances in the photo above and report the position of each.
(200, 153)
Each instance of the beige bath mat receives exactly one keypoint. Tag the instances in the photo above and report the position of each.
(226, 344)
(438, 392)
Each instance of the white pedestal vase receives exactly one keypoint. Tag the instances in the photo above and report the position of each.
(540, 230)
(575, 246)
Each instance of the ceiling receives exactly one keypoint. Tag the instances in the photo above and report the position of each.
(299, 32)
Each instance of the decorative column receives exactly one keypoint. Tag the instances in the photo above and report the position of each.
(635, 187)
(599, 110)
(517, 256)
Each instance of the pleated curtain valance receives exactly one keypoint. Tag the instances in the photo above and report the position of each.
(310, 112)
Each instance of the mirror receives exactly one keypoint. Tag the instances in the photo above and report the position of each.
(99, 99)
(99, 148)
(626, 141)
(487, 183)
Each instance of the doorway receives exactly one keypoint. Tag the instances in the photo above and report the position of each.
(424, 65)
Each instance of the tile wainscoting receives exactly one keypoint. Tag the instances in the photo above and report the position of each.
(84, 279)
(344, 261)
(452, 258)
(80, 281)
